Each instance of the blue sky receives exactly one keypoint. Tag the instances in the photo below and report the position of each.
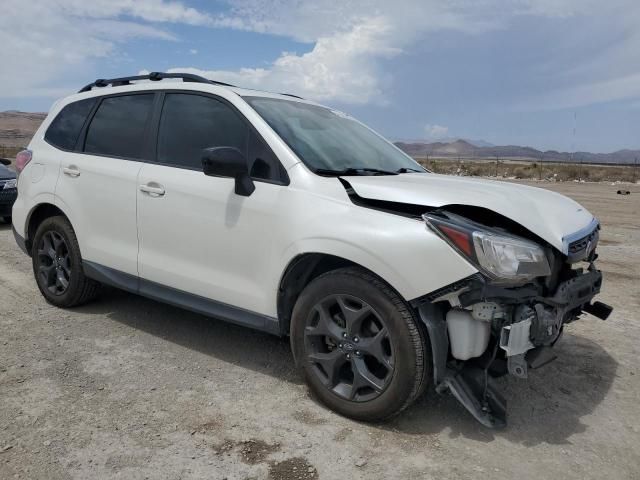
(508, 72)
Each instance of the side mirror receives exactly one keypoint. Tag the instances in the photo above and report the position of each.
(228, 162)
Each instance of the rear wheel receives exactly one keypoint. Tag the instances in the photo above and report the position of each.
(360, 347)
(57, 264)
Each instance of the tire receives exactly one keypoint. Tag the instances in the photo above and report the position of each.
(61, 280)
(399, 364)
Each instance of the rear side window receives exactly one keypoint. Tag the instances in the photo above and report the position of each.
(65, 128)
(191, 123)
(117, 128)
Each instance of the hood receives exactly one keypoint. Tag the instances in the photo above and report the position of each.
(547, 214)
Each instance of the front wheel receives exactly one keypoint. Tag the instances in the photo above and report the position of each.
(360, 347)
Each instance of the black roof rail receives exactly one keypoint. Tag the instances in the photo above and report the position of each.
(153, 76)
(292, 95)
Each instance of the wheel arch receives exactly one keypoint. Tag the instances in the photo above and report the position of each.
(36, 216)
(301, 271)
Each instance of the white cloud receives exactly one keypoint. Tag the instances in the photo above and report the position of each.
(350, 39)
(43, 40)
(45, 43)
(436, 132)
(193, 51)
(338, 68)
(587, 93)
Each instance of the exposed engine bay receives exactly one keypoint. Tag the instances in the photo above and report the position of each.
(483, 327)
(506, 318)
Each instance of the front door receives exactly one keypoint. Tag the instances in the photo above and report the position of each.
(196, 235)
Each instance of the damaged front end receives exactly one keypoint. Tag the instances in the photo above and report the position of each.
(506, 318)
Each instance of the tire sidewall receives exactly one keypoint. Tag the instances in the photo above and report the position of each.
(405, 357)
(62, 227)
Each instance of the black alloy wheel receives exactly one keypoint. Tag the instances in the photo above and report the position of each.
(57, 264)
(54, 262)
(359, 345)
(347, 342)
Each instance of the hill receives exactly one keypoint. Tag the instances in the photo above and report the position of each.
(462, 148)
(17, 128)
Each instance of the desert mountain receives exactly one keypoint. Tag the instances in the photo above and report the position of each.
(17, 128)
(464, 149)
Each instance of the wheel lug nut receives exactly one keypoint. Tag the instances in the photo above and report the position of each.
(340, 346)
(348, 356)
(357, 353)
(356, 339)
(344, 334)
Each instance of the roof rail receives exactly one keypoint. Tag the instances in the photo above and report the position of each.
(153, 76)
(292, 95)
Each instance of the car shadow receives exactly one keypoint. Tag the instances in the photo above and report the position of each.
(4, 226)
(258, 351)
(546, 408)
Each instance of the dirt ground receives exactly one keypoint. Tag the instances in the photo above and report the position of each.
(130, 388)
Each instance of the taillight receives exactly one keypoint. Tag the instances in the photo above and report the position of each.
(22, 159)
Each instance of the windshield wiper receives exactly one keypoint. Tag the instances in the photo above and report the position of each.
(354, 171)
(409, 170)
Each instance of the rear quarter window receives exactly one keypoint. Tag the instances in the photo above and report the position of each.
(66, 127)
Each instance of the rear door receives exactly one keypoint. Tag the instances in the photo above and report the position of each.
(197, 235)
(98, 181)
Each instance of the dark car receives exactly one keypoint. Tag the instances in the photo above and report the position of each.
(8, 192)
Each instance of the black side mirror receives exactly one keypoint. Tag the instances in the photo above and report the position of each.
(228, 162)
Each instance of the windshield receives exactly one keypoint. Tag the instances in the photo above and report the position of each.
(331, 142)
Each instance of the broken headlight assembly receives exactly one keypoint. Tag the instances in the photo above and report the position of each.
(502, 257)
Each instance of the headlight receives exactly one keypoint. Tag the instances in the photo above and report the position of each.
(504, 258)
(10, 184)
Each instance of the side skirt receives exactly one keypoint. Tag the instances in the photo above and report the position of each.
(179, 298)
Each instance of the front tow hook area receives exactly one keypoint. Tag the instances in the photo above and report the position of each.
(599, 310)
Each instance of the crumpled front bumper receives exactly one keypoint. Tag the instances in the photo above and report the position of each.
(525, 339)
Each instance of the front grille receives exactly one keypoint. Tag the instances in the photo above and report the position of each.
(582, 248)
(581, 244)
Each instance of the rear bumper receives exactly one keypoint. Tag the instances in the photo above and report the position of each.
(20, 241)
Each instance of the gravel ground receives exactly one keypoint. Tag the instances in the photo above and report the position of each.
(130, 388)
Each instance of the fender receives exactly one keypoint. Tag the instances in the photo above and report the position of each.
(348, 251)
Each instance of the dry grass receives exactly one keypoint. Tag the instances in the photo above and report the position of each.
(561, 172)
(9, 152)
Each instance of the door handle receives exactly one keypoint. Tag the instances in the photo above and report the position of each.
(154, 191)
(71, 171)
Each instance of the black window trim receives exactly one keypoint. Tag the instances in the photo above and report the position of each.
(96, 101)
(82, 138)
(155, 125)
(150, 136)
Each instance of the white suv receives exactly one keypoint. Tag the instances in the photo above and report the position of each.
(276, 213)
